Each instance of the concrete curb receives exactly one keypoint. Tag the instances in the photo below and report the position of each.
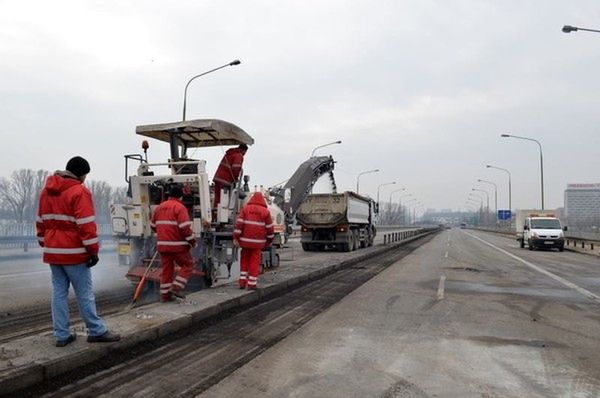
(32, 360)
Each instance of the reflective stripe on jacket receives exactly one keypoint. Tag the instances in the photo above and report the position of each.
(173, 227)
(254, 226)
(230, 167)
(66, 223)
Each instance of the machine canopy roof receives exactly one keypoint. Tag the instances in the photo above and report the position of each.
(198, 133)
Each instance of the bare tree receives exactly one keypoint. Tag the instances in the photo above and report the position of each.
(102, 194)
(20, 193)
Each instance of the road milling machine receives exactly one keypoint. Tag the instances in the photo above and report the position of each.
(215, 252)
(290, 195)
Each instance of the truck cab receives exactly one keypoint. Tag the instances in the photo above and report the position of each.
(543, 232)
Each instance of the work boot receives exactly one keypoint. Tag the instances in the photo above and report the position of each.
(166, 298)
(70, 339)
(107, 337)
(177, 293)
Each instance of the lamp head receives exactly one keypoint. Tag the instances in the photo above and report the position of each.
(235, 62)
(338, 142)
(569, 29)
(488, 166)
(505, 135)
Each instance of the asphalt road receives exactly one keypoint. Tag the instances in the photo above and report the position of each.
(469, 314)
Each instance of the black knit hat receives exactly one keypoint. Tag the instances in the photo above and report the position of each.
(78, 166)
(175, 191)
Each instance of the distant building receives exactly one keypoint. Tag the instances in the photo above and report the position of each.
(582, 205)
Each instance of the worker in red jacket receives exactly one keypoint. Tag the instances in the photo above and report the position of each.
(253, 232)
(229, 169)
(66, 229)
(174, 241)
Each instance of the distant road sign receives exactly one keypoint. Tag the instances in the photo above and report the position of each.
(504, 214)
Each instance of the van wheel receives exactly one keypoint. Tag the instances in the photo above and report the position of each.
(561, 249)
(530, 245)
(522, 243)
(306, 247)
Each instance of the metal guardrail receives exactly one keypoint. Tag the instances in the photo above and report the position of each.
(22, 236)
(401, 235)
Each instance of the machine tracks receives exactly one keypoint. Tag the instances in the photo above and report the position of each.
(191, 361)
(38, 319)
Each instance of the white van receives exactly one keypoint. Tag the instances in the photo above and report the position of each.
(541, 232)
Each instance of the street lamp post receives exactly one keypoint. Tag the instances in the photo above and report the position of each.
(509, 185)
(569, 29)
(412, 207)
(479, 204)
(324, 145)
(495, 195)
(400, 206)
(541, 160)
(487, 208)
(361, 173)
(232, 63)
(382, 185)
(407, 205)
(391, 193)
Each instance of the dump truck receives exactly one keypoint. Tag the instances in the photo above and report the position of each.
(342, 221)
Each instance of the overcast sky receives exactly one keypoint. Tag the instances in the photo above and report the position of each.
(420, 89)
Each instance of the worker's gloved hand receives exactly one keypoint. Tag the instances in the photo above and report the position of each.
(92, 261)
(193, 243)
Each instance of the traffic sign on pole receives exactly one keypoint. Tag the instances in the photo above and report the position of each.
(504, 215)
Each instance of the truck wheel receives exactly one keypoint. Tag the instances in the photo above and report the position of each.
(306, 247)
(561, 249)
(364, 243)
(356, 240)
(522, 243)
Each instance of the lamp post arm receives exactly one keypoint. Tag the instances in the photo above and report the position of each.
(236, 62)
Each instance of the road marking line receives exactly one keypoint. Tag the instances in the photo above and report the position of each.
(19, 274)
(585, 292)
(440, 292)
(446, 255)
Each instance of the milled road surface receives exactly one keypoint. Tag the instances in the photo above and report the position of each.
(456, 318)
(189, 363)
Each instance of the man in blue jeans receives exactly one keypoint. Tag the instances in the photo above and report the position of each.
(66, 229)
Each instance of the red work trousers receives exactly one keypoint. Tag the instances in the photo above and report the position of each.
(249, 267)
(167, 263)
(218, 186)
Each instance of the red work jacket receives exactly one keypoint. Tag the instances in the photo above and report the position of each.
(173, 227)
(66, 226)
(230, 167)
(254, 226)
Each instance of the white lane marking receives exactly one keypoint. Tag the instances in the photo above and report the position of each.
(446, 255)
(585, 292)
(440, 292)
(22, 274)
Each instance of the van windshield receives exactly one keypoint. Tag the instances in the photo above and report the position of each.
(545, 224)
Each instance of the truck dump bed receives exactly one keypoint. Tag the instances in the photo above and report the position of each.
(329, 210)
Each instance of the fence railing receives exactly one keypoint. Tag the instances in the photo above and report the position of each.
(23, 235)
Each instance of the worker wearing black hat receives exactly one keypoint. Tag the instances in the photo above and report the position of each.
(66, 230)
